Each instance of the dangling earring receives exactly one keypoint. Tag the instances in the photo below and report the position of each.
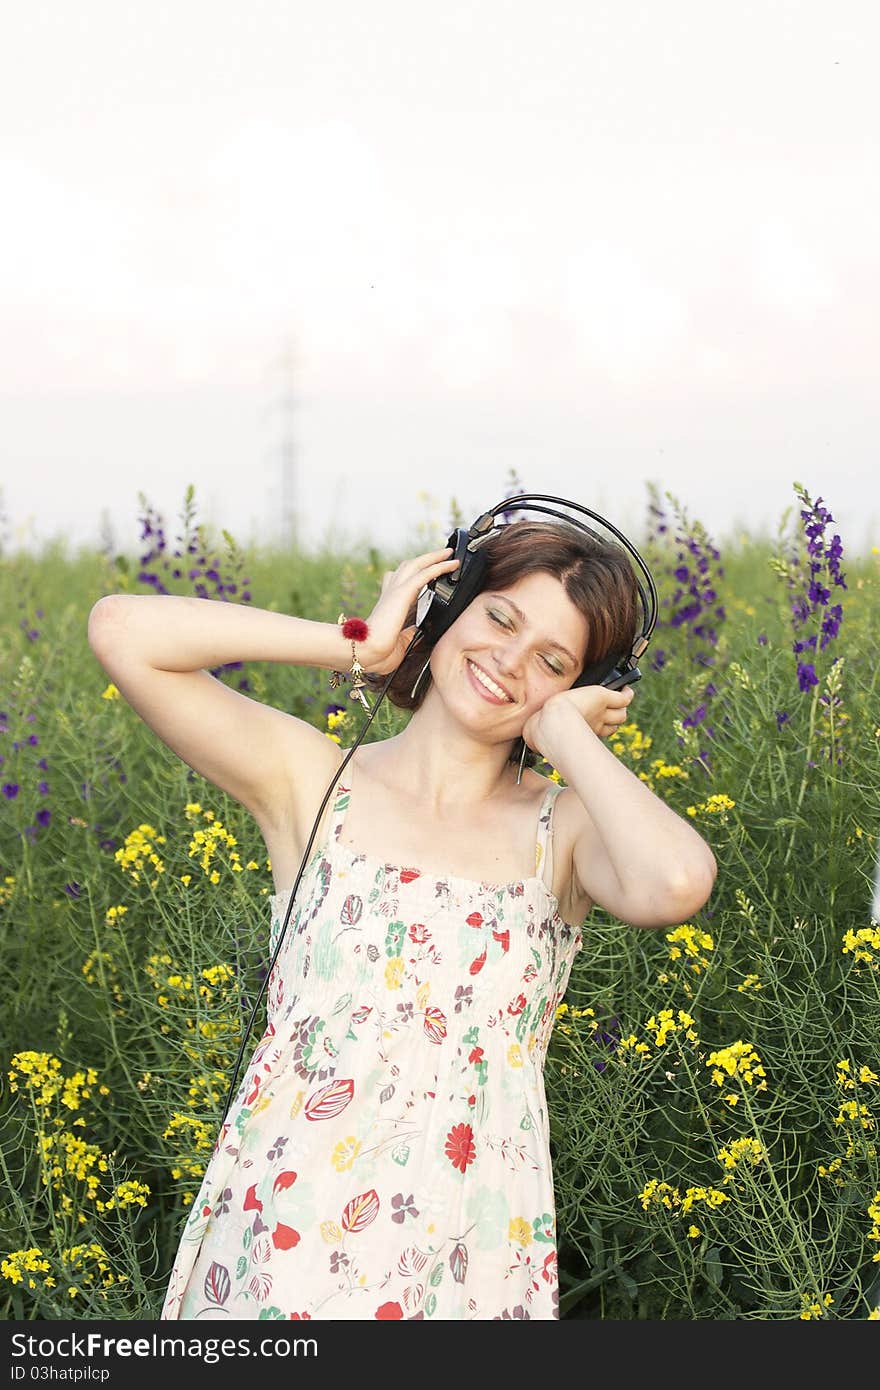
(418, 678)
(522, 758)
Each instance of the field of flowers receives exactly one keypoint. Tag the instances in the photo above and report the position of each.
(713, 1088)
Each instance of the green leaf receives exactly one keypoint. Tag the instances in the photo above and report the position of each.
(714, 1267)
(627, 1282)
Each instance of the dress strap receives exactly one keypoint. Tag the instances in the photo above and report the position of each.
(337, 806)
(544, 841)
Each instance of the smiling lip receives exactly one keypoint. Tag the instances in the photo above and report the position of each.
(482, 689)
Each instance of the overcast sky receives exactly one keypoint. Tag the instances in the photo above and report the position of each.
(423, 245)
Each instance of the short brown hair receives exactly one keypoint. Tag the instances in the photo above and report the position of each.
(596, 576)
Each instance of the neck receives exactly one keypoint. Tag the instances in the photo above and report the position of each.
(448, 770)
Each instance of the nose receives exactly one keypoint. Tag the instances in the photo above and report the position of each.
(509, 654)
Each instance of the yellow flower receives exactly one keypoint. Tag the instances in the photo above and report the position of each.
(812, 1307)
(657, 1193)
(693, 1232)
(741, 1150)
(131, 1194)
(111, 693)
(851, 1110)
(520, 1231)
(862, 944)
(394, 972)
(749, 982)
(740, 1060)
(345, 1153)
(663, 1028)
(715, 805)
(662, 769)
(631, 740)
(710, 1195)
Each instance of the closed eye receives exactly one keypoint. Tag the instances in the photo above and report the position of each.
(502, 622)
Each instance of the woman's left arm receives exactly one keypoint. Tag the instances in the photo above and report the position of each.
(631, 854)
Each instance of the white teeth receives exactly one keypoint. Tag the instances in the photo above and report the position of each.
(489, 684)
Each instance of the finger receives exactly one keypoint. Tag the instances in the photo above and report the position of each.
(431, 563)
(409, 572)
(430, 557)
(437, 568)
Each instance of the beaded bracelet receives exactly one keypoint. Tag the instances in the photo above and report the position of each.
(356, 630)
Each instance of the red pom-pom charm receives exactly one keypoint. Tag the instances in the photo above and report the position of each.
(355, 629)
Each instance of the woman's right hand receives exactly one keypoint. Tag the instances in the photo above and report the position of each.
(387, 639)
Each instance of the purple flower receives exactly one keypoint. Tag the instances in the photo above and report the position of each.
(691, 603)
(10, 790)
(806, 676)
(814, 570)
(781, 717)
(73, 890)
(44, 817)
(694, 719)
(403, 1207)
(817, 593)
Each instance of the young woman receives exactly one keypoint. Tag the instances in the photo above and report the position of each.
(387, 1152)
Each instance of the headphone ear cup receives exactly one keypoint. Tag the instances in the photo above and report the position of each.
(601, 672)
(444, 598)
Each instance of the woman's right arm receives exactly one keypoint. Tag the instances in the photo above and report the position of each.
(155, 648)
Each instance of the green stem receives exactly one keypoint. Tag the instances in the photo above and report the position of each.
(790, 1217)
(803, 787)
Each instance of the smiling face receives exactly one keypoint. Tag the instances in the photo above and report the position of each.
(509, 651)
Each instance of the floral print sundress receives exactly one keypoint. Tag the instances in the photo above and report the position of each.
(387, 1153)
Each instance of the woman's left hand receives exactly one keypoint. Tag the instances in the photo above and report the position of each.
(603, 709)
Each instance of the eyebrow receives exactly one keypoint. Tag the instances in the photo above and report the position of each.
(522, 617)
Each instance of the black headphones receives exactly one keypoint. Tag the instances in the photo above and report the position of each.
(444, 598)
(437, 607)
